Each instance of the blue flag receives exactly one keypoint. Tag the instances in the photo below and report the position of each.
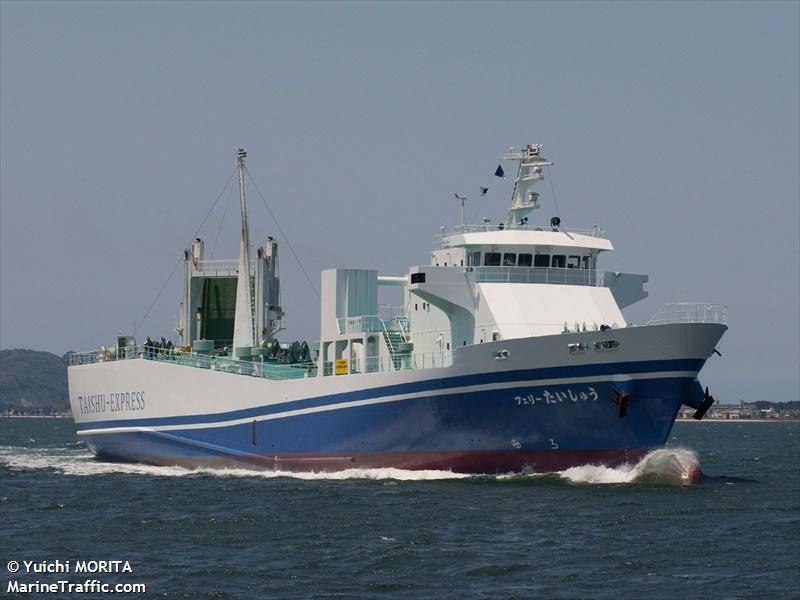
(499, 172)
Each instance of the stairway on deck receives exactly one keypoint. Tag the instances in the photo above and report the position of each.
(393, 340)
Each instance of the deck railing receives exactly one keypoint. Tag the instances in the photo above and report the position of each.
(227, 364)
(537, 275)
(442, 240)
(255, 368)
(373, 323)
(213, 265)
(385, 364)
(690, 312)
(387, 312)
(360, 324)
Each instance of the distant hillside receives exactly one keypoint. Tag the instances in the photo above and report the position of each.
(32, 381)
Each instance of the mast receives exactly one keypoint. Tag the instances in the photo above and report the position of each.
(244, 319)
(529, 173)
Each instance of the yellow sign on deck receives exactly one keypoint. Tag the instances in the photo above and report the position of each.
(342, 366)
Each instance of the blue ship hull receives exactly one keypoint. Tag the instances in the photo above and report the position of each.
(495, 422)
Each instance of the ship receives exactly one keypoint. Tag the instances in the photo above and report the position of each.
(508, 353)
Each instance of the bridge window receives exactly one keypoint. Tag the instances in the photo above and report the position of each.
(574, 262)
(559, 261)
(542, 260)
(509, 259)
(524, 260)
(474, 259)
(587, 262)
(491, 259)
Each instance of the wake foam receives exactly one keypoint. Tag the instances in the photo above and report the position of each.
(84, 464)
(79, 463)
(667, 466)
(374, 474)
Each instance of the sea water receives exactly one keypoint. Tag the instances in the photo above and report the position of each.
(640, 531)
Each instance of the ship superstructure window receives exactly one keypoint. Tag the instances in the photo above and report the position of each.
(587, 262)
(606, 345)
(474, 259)
(524, 260)
(574, 262)
(509, 259)
(541, 260)
(559, 261)
(491, 259)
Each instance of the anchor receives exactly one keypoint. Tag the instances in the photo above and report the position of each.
(620, 400)
(708, 400)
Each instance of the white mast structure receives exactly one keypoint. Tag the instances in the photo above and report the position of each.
(244, 319)
(529, 173)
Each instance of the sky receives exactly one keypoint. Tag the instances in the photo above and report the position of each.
(673, 125)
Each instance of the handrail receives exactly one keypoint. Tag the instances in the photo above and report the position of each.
(415, 361)
(267, 370)
(403, 327)
(371, 324)
(228, 364)
(360, 324)
(388, 312)
(553, 275)
(595, 231)
(690, 312)
(388, 339)
(221, 264)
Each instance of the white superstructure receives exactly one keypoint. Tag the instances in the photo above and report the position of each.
(484, 284)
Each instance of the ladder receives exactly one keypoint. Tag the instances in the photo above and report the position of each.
(253, 311)
(394, 337)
